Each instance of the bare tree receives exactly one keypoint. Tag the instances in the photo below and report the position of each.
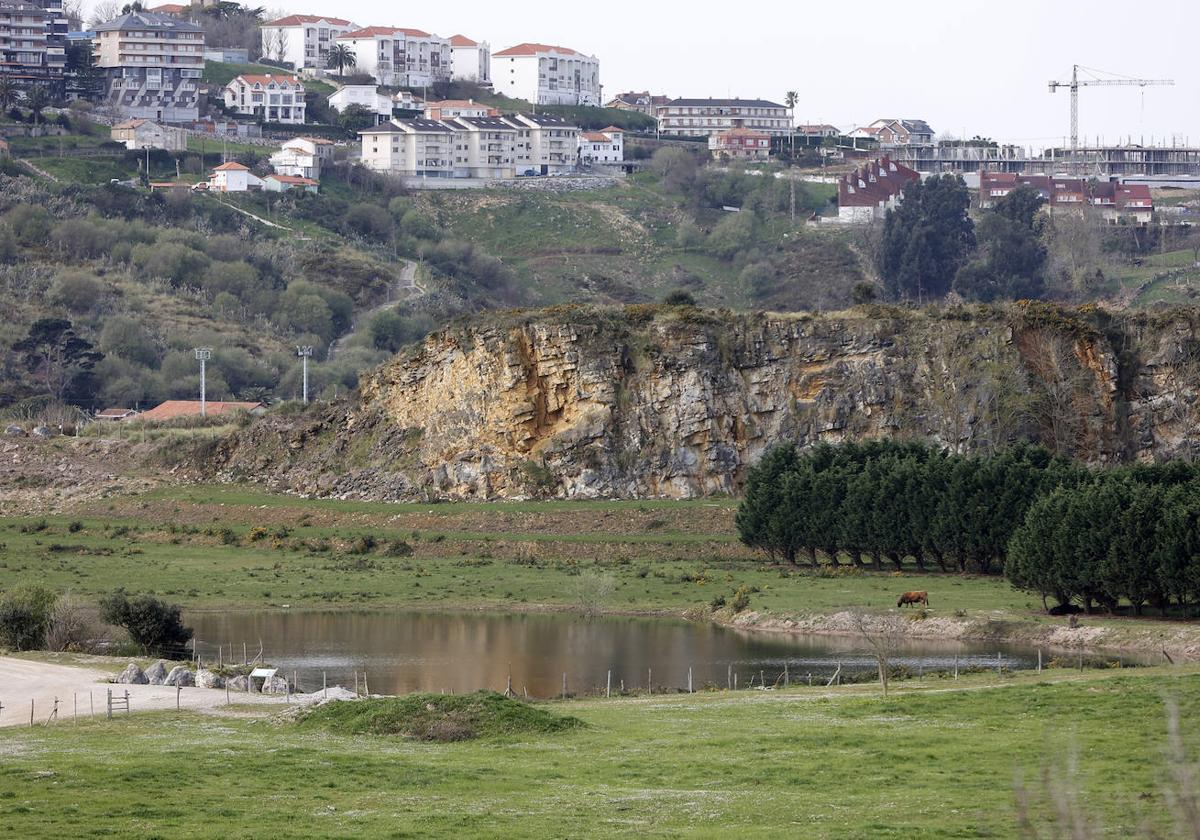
(884, 634)
(103, 12)
(592, 592)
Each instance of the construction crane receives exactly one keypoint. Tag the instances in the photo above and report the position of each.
(1076, 83)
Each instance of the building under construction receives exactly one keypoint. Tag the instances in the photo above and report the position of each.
(1093, 161)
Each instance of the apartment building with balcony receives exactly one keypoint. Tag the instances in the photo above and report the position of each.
(448, 109)
(368, 96)
(303, 40)
(1111, 201)
(547, 75)
(705, 117)
(267, 97)
(470, 60)
(33, 40)
(152, 66)
(399, 57)
(606, 146)
(546, 145)
(740, 144)
(484, 147)
(409, 148)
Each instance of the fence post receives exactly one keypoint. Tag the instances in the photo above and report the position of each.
(690, 689)
(178, 691)
(127, 701)
(650, 680)
(786, 679)
(608, 684)
(1039, 660)
(564, 693)
(324, 686)
(997, 663)
(956, 666)
(735, 682)
(729, 677)
(31, 711)
(76, 702)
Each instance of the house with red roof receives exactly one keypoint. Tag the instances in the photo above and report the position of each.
(399, 57)
(600, 147)
(273, 98)
(176, 409)
(233, 177)
(303, 40)
(743, 144)
(1112, 201)
(448, 109)
(872, 189)
(470, 60)
(282, 183)
(545, 74)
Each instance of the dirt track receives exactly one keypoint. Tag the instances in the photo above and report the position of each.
(22, 680)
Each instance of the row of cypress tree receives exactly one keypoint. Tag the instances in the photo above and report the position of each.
(1051, 525)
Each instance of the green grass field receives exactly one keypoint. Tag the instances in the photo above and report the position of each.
(237, 547)
(937, 759)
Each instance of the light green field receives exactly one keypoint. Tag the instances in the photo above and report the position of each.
(937, 759)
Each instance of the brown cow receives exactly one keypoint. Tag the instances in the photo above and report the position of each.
(913, 598)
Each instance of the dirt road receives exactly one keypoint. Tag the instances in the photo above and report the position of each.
(22, 681)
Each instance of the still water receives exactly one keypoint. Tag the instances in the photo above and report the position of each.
(466, 651)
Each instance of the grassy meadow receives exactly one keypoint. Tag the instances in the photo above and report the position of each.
(936, 760)
(237, 547)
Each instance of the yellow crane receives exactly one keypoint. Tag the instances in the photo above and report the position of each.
(1077, 83)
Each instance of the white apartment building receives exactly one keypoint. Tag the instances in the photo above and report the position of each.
(484, 147)
(604, 146)
(33, 38)
(367, 96)
(546, 144)
(547, 75)
(233, 177)
(399, 57)
(269, 97)
(303, 40)
(152, 66)
(409, 148)
(470, 60)
(302, 157)
(448, 109)
(704, 117)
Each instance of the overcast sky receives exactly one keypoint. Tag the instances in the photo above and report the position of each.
(967, 66)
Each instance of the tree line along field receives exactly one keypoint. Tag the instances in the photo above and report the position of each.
(936, 759)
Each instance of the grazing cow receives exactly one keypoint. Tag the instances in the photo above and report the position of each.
(913, 598)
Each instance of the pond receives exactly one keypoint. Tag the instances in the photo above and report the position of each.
(465, 651)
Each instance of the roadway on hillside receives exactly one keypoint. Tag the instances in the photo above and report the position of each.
(405, 286)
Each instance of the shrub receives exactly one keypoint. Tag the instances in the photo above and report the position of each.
(153, 625)
(741, 599)
(369, 220)
(24, 615)
(679, 297)
(71, 626)
(78, 291)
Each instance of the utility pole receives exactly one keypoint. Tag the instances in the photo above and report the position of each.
(203, 354)
(304, 352)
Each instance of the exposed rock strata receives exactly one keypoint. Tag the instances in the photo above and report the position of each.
(676, 402)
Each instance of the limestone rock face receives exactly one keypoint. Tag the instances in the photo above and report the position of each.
(156, 673)
(180, 676)
(132, 675)
(678, 402)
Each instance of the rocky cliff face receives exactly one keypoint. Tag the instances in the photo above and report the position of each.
(677, 402)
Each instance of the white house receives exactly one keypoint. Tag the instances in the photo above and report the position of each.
(484, 147)
(233, 177)
(269, 97)
(282, 183)
(302, 157)
(604, 146)
(470, 60)
(399, 57)
(406, 100)
(411, 148)
(547, 75)
(303, 40)
(545, 144)
(448, 109)
(367, 96)
(144, 134)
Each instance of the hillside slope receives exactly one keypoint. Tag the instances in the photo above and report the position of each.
(675, 401)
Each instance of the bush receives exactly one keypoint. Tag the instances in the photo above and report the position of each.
(71, 626)
(153, 625)
(78, 291)
(24, 615)
(369, 220)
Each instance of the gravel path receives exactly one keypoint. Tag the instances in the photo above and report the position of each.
(23, 680)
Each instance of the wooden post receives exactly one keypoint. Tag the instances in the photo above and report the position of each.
(762, 683)
(1039, 660)
(92, 703)
(564, 694)
(76, 702)
(650, 680)
(956, 666)
(178, 691)
(324, 686)
(356, 682)
(786, 678)
(608, 684)
(31, 711)
(810, 679)
(367, 686)
(109, 704)
(690, 689)
(997, 663)
(245, 658)
(735, 682)
(127, 701)
(729, 678)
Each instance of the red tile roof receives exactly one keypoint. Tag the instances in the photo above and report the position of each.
(596, 137)
(171, 409)
(533, 49)
(232, 166)
(169, 9)
(874, 183)
(462, 41)
(372, 31)
(294, 179)
(297, 20)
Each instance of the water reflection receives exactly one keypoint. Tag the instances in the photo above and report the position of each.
(457, 651)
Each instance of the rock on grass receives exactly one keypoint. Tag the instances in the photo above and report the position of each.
(437, 717)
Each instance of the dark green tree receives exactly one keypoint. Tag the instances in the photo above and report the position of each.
(1011, 260)
(58, 357)
(152, 624)
(926, 239)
